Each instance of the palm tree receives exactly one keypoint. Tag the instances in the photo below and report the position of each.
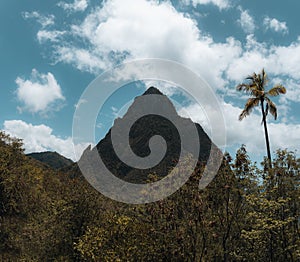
(256, 88)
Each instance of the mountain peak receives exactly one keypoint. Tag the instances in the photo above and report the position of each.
(142, 131)
(152, 91)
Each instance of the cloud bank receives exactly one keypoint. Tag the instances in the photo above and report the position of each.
(40, 138)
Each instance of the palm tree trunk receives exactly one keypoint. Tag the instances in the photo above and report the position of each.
(266, 132)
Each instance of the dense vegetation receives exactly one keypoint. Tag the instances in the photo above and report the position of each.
(246, 214)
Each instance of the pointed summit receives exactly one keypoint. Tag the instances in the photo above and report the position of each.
(142, 131)
(152, 91)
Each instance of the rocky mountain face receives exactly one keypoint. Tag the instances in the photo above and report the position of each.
(140, 133)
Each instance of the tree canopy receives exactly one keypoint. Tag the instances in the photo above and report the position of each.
(49, 215)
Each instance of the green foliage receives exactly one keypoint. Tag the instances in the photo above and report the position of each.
(245, 214)
(32, 201)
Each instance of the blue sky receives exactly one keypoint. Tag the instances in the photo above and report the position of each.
(51, 50)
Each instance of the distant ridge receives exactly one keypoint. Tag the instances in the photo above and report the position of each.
(52, 159)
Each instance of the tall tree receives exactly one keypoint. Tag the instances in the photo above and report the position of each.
(260, 96)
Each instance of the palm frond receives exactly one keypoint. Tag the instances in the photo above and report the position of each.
(250, 88)
(257, 93)
(271, 107)
(264, 79)
(251, 103)
(251, 77)
(259, 78)
(243, 115)
(243, 87)
(277, 90)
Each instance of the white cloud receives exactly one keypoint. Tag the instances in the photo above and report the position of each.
(221, 4)
(76, 6)
(246, 21)
(275, 25)
(114, 109)
(285, 136)
(84, 60)
(293, 89)
(53, 36)
(45, 21)
(80, 102)
(237, 132)
(39, 138)
(40, 93)
(44, 34)
(278, 60)
(116, 31)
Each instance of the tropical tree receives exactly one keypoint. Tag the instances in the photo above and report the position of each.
(260, 96)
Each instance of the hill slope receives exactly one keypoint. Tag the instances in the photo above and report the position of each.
(52, 159)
